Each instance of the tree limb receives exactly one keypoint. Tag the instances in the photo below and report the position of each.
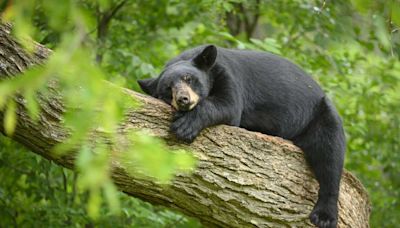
(243, 178)
(103, 24)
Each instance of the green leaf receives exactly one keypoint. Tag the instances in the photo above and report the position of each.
(184, 160)
(381, 31)
(363, 5)
(94, 203)
(31, 104)
(10, 118)
(5, 92)
(150, 156)
(395, 7)
(59, 12)
(111, 194)
(104, 4)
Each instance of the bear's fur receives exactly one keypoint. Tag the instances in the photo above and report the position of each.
(262, 92)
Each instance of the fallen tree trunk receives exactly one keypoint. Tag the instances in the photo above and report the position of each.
(243, 178)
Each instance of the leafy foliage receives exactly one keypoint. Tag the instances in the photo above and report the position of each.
(84, 90)
(351, 47)
(35, 192)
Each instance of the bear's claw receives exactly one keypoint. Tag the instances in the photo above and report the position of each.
(324, 216)
(186, 126)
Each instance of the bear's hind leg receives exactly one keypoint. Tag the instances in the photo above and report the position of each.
(323, 143)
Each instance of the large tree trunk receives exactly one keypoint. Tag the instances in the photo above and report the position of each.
(243, 178)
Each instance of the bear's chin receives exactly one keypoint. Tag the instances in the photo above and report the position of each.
(185, 108)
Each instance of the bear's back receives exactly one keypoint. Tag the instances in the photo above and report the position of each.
(273, 89)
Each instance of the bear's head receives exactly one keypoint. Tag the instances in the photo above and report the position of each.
(185, 83)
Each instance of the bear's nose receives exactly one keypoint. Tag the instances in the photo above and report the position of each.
(183, 100)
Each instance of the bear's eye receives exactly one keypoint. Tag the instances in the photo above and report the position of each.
(187, 78)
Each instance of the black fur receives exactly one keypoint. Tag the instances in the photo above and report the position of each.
(261, 92)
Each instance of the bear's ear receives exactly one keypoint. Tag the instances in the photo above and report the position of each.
(206, 59)
(148, 85)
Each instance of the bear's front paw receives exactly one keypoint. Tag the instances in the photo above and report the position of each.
(186, 126)
(324, 215)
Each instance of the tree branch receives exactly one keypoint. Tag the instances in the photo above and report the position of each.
(243, 179)
(103, 23)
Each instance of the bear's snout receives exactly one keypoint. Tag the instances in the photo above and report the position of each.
(183, 97)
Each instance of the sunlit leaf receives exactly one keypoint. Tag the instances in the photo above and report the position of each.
(104, 4)
(150, 157)
(5, 91)
(111, 195)
(32, 104)
(94, 203)
(382, 32)
(184, 160)
(395, 7)
(363, 5)
(10, 117)
(8, 12)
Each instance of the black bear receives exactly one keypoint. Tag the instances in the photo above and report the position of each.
(262, 92)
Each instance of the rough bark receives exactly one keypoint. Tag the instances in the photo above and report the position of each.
(243, 178)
